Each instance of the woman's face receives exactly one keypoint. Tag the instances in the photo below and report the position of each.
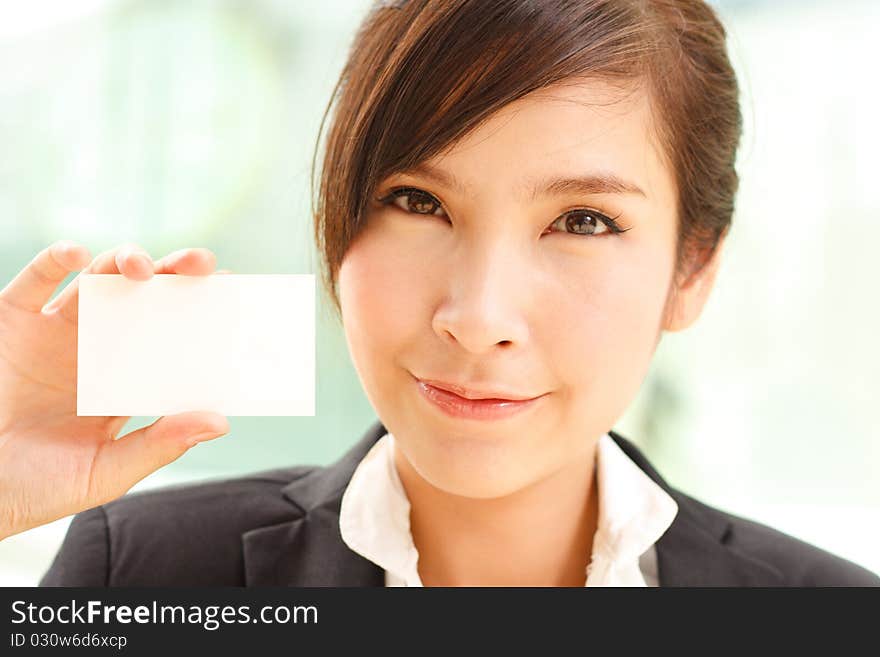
(495, 278)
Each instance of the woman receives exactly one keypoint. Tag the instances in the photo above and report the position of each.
(517, 199)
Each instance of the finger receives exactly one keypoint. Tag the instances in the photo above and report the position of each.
(133, 262)
(189, 262)
(130, 256)
(34, 285)
(115, 424)
(122, 463)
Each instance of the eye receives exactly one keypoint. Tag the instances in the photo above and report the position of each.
(588, 222)
(583, 221)
(412, 199)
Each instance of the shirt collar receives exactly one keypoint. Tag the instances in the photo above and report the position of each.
(374, 514)
(634, 512)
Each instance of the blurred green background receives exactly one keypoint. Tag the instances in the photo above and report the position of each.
(181, 123)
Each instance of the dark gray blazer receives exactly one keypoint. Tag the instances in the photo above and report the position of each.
(281, 528)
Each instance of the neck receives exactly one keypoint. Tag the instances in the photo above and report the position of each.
(540, 535)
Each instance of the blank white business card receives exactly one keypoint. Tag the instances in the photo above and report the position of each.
(236, 344)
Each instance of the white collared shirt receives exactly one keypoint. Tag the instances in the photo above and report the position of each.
(634, 511)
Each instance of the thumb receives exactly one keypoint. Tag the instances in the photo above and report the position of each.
(122, 463)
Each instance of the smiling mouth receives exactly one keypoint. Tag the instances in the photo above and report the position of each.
(476, 394)
(456, 406)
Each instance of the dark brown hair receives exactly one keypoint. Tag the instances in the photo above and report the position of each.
(421, 74)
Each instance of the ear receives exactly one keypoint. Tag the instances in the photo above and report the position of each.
(686, 301)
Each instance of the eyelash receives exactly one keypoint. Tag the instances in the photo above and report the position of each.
(609, 222)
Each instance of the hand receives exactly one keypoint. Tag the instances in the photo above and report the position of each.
(53, 463)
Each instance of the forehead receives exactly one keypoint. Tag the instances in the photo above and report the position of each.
(581, 128)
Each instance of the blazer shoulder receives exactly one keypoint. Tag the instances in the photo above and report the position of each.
(179, 535)
(799, 562)
(243, 496)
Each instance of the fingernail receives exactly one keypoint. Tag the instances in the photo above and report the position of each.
(202, 437)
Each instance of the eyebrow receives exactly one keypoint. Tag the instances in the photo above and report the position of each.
(593, 183)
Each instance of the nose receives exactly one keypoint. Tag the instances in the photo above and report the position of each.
(486, 299)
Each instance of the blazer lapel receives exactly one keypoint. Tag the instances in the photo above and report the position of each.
(694, 551)
(308, 550)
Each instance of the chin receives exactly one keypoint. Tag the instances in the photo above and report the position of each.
(469, 467)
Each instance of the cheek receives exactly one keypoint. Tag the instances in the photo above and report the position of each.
(602, 334)
(380, 298)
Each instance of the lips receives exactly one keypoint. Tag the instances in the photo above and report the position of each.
(456, 406)
(473, 393)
